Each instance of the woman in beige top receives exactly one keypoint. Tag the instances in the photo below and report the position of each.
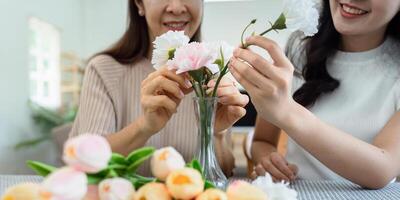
(133, 105)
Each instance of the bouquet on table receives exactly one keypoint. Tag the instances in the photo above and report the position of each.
(103, 175)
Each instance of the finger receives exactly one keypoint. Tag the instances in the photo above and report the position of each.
(294, 169)
(274, 171)
(274, 50)
(235, 113)
(225, 81)
(260, 171)
(162, 83)
(282, 165)
(224, 91)
(160, 101)
(258, 62)
(181, 79)
(253, 175)
(236, 100)
(247, 73)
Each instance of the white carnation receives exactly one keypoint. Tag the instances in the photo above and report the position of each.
(275, 191)
(301, 15)
(227, 50)
(166, 43)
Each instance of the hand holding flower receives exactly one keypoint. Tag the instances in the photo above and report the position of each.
(268, 83)
(231, 104)
(161, 93)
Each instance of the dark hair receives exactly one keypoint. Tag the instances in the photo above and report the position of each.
(318, 48)
(134, 44)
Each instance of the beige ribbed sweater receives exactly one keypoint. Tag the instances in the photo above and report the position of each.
(110, 100)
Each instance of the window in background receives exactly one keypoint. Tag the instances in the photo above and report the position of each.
(44, 63)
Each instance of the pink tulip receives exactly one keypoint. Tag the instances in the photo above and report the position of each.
(116, 189)
(87, 153)
(193, 57)
(65, 184)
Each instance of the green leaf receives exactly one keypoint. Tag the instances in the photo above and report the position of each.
(41, 169)
(112, 173)
(118, 159)
(280, 23)
(140, 153)
(32, 142)
(138, 181)
(94, 179)
(208, 184)
(135, 165)
(197, 75)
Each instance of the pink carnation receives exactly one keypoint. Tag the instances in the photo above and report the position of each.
(193, 57)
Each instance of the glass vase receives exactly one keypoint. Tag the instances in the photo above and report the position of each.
(205, 110)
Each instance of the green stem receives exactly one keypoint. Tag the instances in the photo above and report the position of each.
(223, 72)
(263, 33)
(245, 29)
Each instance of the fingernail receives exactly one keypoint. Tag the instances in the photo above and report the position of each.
(181, 94)
(188, 84)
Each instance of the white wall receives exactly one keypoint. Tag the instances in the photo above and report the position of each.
(15, 123)
(87, 26)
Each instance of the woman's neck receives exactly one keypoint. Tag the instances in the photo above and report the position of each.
(359, 43)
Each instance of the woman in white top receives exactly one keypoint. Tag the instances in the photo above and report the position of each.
(125, 99)
(343, 119)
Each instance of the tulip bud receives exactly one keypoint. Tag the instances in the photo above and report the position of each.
(153, 191)
(22, 191)
(185, 183)
(116, 189)
(241, 190)
(87, 153)
(65, 184)
(164, 161)
(212, 194)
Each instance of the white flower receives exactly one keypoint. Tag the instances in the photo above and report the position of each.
(192, 57)
(88, 153)
(116, 189)
(164, 161)
(216, 47)
(301, 15)
(275, 191)
(65, 184)
(166, 44)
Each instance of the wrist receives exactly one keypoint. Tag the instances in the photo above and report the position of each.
(296, 118)
(141, 129)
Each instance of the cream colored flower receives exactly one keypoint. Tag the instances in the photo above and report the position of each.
(23, 191)
(88, 153)
(241, 190)
(301, 15)
(275, 191)
(185, 183)
(153, 191)
(165, 45)
(116, 189)
(164, 161)
(212, 194)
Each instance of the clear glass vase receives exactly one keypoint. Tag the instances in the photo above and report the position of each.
(205, 109)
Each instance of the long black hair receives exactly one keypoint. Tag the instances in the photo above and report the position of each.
(318, 49)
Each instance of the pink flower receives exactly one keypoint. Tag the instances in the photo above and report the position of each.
(116, 189)
(193, 57)
(87, 153)
(65, 184)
